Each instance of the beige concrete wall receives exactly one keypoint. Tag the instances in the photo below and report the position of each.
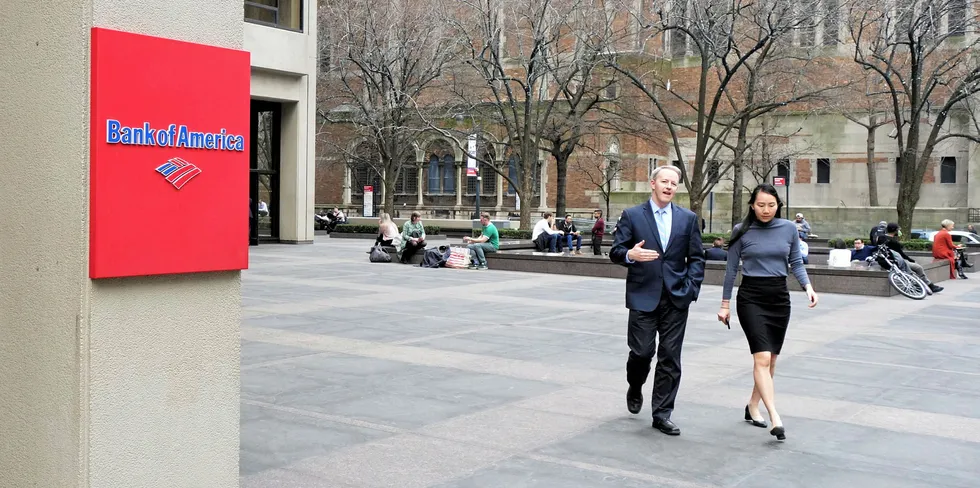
(164, 363)
(128, 382)
(284, 67)
(43, 159)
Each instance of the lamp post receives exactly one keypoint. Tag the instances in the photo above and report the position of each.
(472, 168)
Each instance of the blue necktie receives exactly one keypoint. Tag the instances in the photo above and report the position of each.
(662, 227)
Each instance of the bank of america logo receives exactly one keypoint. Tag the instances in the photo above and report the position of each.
(178, 172)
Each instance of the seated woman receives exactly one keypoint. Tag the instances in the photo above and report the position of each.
(943, 248)
(413, 237)
(387, 231)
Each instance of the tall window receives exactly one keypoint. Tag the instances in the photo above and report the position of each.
(947, 170)
(823, 170)
(712, 174)
(831, 22)
(408, 180)
(782, 169)
(956, 20)
(285, 14)
(363, 174)
(441, 175)
(512, 174)
(678, 40)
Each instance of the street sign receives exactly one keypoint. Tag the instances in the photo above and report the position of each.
(471, 157)
(779, 181)
(368, 201)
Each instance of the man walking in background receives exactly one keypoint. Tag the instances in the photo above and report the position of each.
(660, 243)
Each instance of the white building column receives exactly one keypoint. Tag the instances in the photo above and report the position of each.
(459, 184)
(418, 181)
(543, 186)
(500, 189)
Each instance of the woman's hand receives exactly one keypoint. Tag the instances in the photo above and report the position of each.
(812, 296)
(724, 315)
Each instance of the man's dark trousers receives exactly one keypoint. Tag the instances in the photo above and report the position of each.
(597, 246)
(670, 323)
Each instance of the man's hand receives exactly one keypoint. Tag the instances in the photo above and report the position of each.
(466, 238)
(641, 255)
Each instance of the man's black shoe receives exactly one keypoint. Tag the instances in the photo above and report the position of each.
(666, 426)
(634, 400)
(935, 288)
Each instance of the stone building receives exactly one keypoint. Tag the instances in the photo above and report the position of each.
(822, 158)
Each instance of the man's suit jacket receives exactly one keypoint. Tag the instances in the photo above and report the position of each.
(680, 267)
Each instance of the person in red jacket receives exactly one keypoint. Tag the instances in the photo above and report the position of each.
(943, 248)
(598, 230)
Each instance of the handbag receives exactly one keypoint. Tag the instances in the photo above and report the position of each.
(459, 257)
(379, 255)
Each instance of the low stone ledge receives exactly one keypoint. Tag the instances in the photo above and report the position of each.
(856, 280)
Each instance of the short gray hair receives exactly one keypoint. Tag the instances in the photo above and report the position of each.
(656, 172)
(946, 223)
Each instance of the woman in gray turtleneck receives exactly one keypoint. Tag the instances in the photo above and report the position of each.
(766, 245)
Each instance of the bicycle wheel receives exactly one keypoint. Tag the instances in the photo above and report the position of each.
(908, 285)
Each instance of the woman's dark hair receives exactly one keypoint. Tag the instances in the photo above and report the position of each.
(750, 215)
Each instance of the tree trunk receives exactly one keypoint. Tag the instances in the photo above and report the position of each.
(561, 163)
(872, 174)
(737, 167)
(389, 200)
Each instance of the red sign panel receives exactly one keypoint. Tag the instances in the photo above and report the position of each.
(779, 181)
(169, 156)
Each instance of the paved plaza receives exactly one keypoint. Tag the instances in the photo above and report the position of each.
(382, 375)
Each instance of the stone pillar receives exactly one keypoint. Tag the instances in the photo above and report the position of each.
(459, 184)
(500, 188)
(418, 181)
(115, 382)
(347, 187)
(543, 202)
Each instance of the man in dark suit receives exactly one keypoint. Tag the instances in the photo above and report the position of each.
(660, 243)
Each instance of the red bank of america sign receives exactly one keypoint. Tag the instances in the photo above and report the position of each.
(169, 156)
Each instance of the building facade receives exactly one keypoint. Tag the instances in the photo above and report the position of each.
(820, 154)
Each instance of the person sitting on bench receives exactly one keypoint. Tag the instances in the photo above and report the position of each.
(544, 235)
(571, 234)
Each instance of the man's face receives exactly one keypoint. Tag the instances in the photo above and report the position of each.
(596, 215)
(485, 221)
(799, 218)
(664, 186)
(568, 220)
(719, 243)
(859, 244)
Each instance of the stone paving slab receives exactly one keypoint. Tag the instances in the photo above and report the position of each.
(380, 375)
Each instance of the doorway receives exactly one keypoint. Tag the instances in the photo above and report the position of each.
(264, 155)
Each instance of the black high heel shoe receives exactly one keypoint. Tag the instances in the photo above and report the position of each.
(749, 419)
(779, 432)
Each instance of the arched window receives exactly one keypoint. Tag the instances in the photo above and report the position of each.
(441, 169)
(515, 175)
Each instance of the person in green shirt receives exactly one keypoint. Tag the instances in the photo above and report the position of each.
(488, 242)
(413, 237)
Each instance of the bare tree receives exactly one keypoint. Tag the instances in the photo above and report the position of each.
(530, 75)
(866, 104)
(383, 57)
(922, 54)
(602, 172)
(747, 66)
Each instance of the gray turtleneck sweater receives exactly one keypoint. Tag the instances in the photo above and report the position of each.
(766, 250)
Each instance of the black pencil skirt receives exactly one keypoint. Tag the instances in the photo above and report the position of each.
(763, 308)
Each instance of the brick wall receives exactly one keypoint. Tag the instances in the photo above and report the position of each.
(804, 171)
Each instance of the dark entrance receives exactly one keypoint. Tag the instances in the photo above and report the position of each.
(263, 184)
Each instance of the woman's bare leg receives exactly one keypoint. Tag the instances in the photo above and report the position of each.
(763, 385)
